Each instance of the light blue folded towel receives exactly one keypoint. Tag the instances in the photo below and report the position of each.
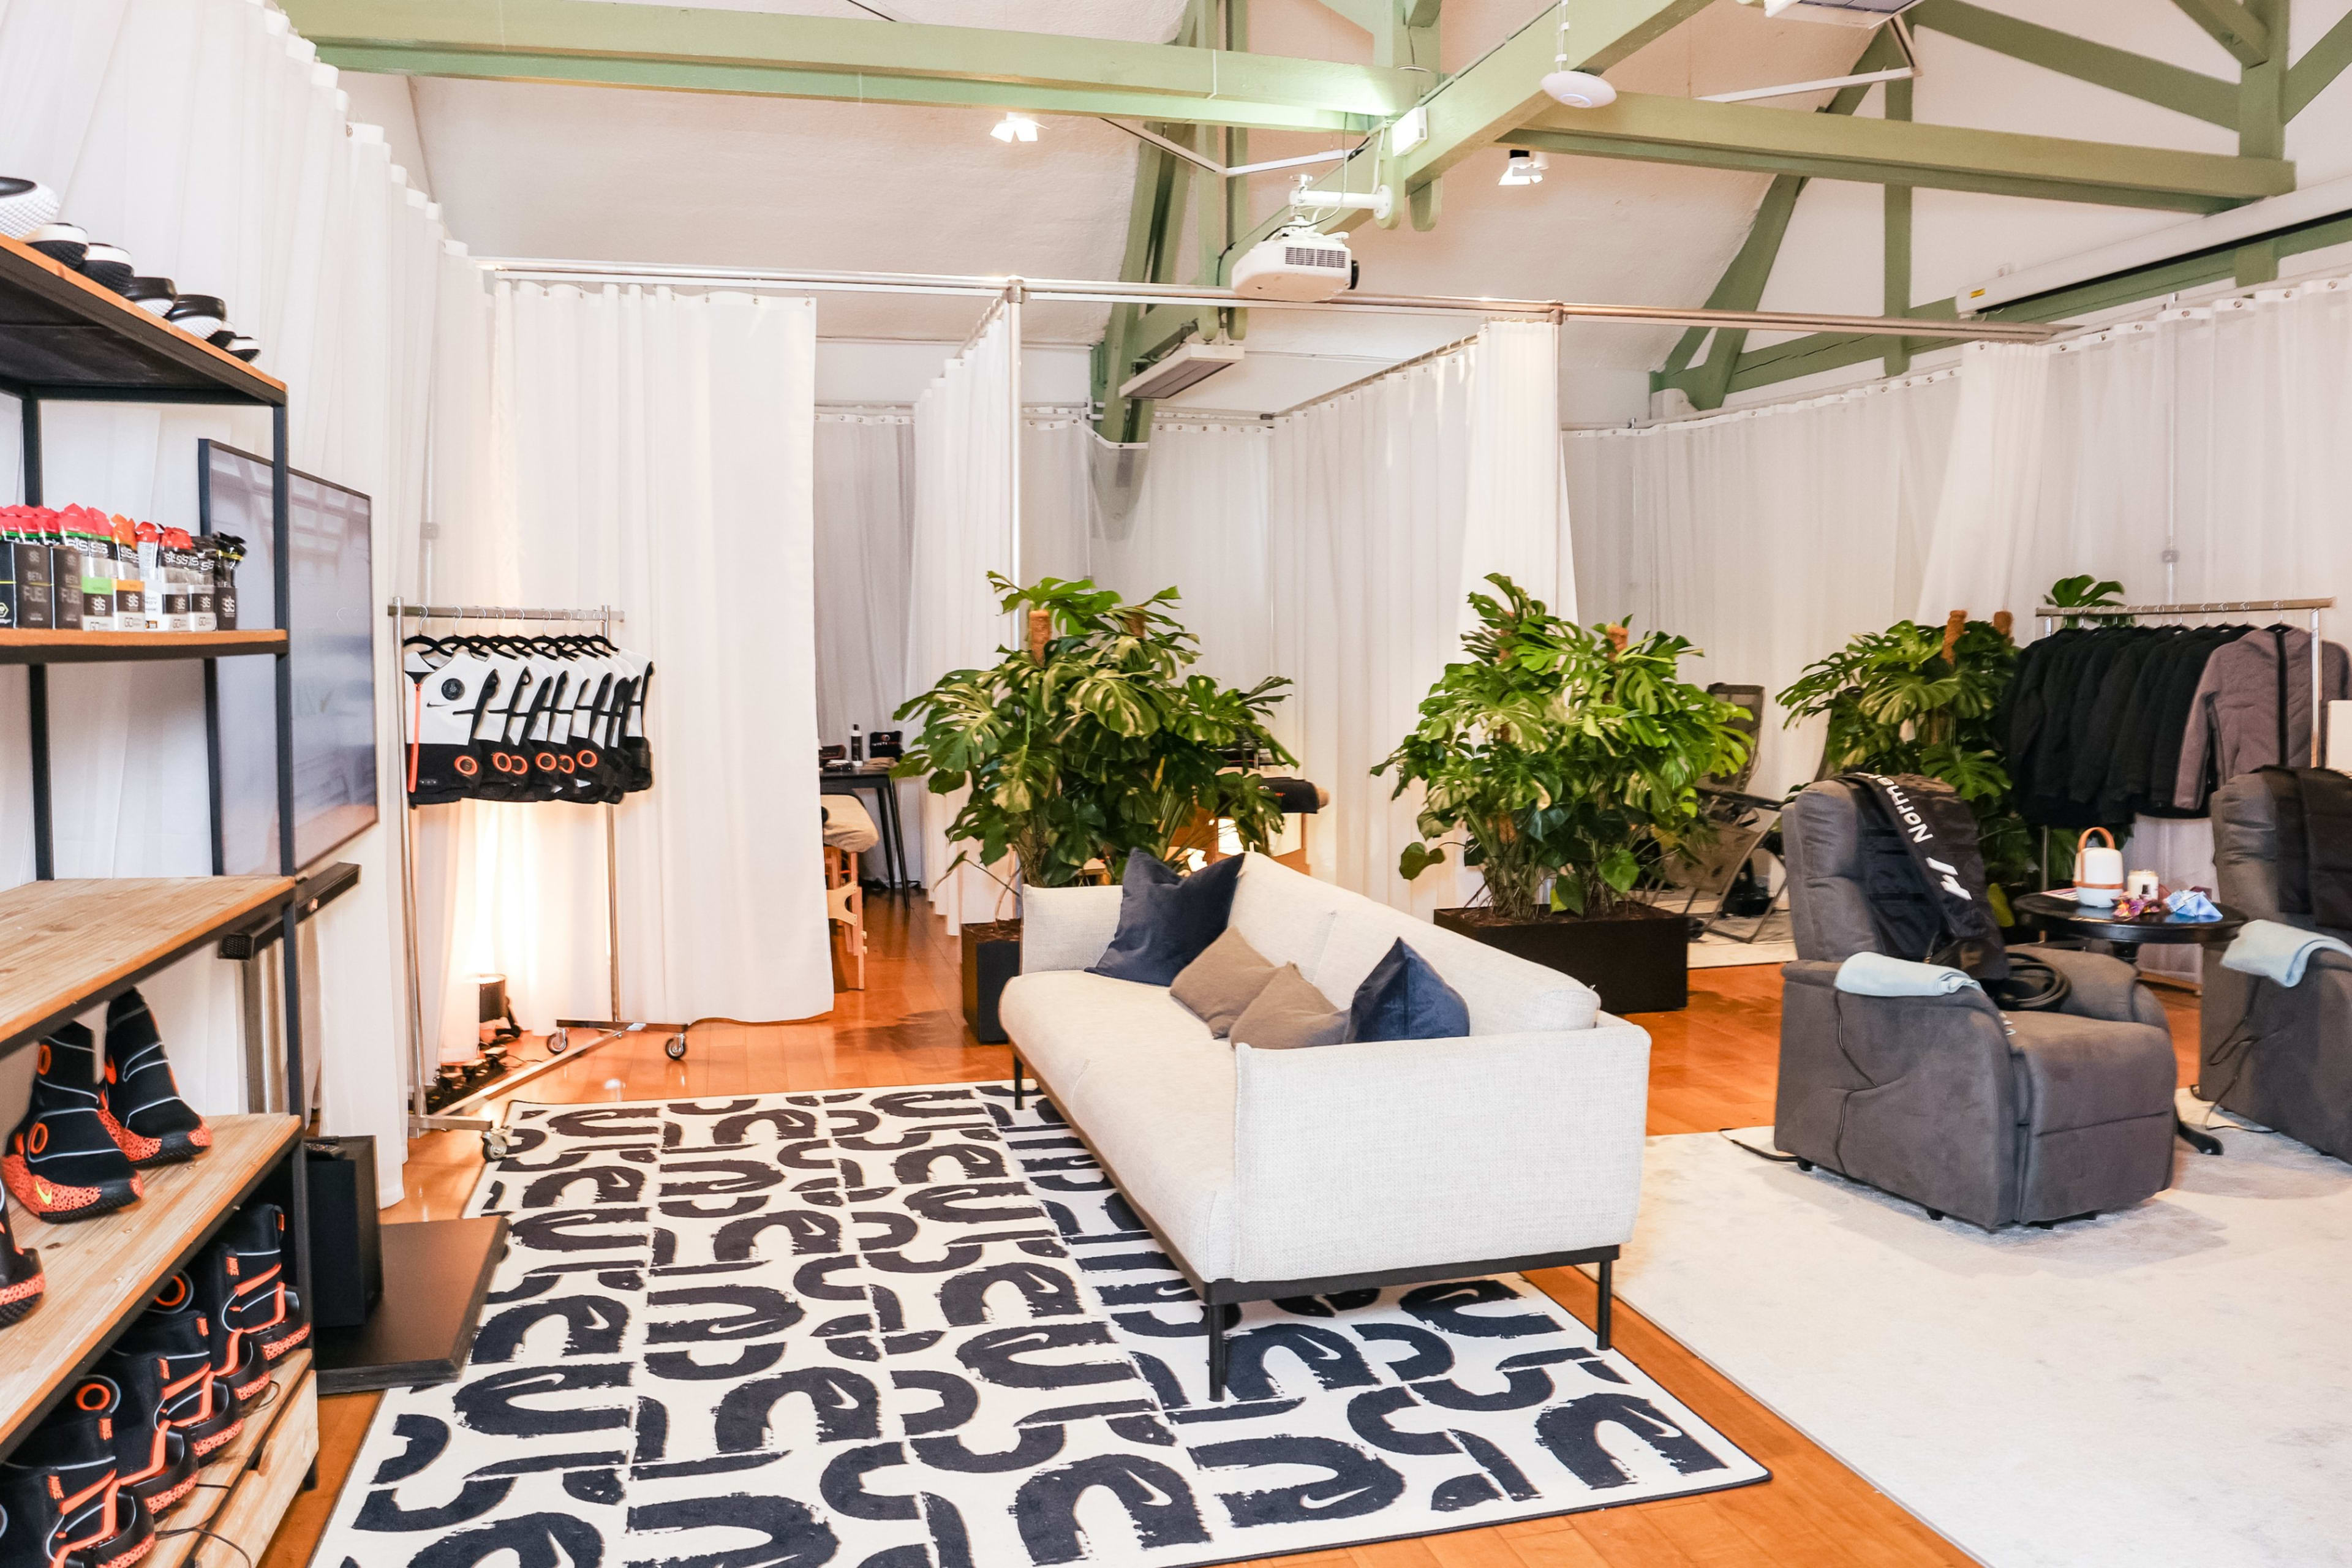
(2277, 952)
(1875, 975)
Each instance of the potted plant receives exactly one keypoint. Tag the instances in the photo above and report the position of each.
(1094, 738)
(1555, 751)
(1924, 699)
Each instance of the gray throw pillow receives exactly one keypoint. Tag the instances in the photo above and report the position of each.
(1289, 1013)
(1220, 984)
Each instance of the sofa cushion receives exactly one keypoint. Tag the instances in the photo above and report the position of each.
(1505, 994)
(1153, 1091)
(1218, 986)
(1166, 920)
(1405, 999)
(1290, 1015)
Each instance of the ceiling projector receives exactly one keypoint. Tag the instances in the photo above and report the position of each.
(1299, 265)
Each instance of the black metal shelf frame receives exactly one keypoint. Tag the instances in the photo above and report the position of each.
(85, 362)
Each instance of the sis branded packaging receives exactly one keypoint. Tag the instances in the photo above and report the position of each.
(78, 569)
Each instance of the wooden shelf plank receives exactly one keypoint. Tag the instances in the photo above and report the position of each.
(234, 1498)
(101, 1270)
(20, 647)
(67, 945)
(63, 336)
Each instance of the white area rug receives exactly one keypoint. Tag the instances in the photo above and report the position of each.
(2168, 1385)
(1723, 949)
(916, 1327)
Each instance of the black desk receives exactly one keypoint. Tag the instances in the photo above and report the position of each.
(879, 782)
(2054, 916)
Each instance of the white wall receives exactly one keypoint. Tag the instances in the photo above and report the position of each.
(892, 373)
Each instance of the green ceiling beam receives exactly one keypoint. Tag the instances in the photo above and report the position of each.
(2206, 98)
(1476, 106)
(1741, 287)
(2237, 30)
(2321, 64)
(1888, 151)
(860, 61)
(1819, 351)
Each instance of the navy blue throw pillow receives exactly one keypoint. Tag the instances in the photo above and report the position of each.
(1167, 920)
(1405, 999)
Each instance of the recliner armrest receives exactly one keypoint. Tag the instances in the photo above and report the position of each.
(2104, 987)
(1822, 975)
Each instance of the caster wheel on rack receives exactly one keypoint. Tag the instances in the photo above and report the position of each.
(558, 1042)
(497, 1144)
(675, 1049)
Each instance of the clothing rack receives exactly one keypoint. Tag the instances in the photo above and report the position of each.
(2316, 607)
(605, 617)
(2050, 614)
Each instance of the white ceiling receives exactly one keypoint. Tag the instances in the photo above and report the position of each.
(592, 173)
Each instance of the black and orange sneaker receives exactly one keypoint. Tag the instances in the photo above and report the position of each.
(201, 1410)
(263, 1306)
(61, 1505)
(141, 1101)
(61, 1162)
(151, 1458)
(21, 1279)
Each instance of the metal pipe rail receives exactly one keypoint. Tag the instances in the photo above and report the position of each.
(1083, 291)
(601, 613)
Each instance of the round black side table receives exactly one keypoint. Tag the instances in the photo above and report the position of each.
(2102, 929)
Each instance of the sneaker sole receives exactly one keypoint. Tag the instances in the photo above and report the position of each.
(16, 1310)
(41, 1196)
(172, 1149)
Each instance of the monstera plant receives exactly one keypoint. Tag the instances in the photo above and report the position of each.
(1547, 758)
(1094, 738)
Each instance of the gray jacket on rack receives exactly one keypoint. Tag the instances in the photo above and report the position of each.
(2234, 722)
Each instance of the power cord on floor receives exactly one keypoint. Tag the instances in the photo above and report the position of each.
(212, 1534)
(1725, 1134)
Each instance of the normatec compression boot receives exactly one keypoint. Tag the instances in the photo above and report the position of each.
(61, 1162)
(141, 1101)
(21, 1279)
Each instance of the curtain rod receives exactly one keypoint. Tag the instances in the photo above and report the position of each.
(2203, 608)
(1456, 346)
(400, 610)
(530, 270)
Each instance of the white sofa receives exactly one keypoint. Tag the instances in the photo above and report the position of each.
(1270, 1174)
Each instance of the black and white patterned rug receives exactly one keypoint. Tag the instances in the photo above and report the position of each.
(914, 1327)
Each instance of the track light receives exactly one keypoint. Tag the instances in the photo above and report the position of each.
(1522, 168)
(1577, 89)
(1014, 128)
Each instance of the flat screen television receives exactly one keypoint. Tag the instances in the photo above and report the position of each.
(331, 651)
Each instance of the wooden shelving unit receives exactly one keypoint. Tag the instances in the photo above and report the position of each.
(67, 946)
(119, 647)
(242, 1495)
(63, 335)
(101, 1270)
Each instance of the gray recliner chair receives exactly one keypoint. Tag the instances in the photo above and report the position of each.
(1994, 1117)
(2295, 1073)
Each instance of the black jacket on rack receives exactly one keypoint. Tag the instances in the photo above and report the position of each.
(2094, 717)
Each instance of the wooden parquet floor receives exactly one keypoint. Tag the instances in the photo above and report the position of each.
(1712, 1067)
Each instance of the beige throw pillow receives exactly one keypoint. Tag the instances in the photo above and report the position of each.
(1289, 1013)
(1222, 982)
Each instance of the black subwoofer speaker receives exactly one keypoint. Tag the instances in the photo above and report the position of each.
(346, 1252)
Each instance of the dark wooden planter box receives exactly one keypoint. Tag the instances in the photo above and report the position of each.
(992, 956)
(1638, 958)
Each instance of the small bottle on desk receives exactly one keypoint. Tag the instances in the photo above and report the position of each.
(856, 744)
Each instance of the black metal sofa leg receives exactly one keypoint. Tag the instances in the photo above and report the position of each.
(1608, 1300)
(1216, 1320)
(1018, 1096)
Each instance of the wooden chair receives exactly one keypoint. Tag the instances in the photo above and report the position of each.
(844, 905)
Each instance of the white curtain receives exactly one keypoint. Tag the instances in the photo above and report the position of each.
(1517, 518)
(1984, 521)
(966, 526)
(1367, 499)
(206, 139)
(651, 451)
(1768, 536)
(1055, 497)
(1200, 527)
